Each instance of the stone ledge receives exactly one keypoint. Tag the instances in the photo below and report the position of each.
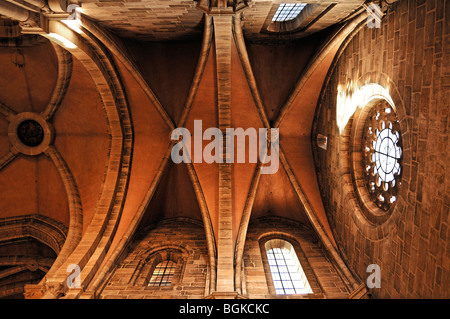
(225, 295)
(359, 293)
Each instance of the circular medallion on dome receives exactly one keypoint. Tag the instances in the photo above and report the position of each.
(30, 133)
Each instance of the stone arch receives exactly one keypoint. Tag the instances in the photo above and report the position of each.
(375, 228)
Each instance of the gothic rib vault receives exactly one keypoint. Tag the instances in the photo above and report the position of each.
(113, 83)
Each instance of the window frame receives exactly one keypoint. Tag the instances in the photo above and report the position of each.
(146, 267)
(371, 210)
(288, 253)
(163, 282)
(287, 9)
(306, 17)
(380, 122)
(307, 269)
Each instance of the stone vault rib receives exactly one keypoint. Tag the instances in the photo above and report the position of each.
(64, 75)
(107, 39)
(89, 253)
(98, 282)
(75, 210)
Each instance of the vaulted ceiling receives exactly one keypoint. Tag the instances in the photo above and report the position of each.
(181, 19)
(136, 71)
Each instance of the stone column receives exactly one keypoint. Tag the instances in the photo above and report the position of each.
(223, 36)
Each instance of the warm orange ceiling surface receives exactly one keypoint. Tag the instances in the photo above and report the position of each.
(33, 185)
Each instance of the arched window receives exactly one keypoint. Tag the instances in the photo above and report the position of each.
(382, 154)
(163, 274)
(163, 268)
(370, 127)
(287, 273)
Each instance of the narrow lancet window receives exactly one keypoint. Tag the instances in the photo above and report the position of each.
(287, 273)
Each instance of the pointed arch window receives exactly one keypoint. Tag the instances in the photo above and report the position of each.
(287, 273)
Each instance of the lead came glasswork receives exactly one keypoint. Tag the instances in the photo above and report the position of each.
(287, 273)
(386, 154)
(163, 274)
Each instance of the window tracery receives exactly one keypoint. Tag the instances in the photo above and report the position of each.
(382, 154)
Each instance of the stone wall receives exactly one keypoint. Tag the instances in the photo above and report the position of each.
(128, 279)
(322, 276)
(409, 54)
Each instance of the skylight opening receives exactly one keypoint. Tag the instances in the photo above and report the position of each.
(288, 11)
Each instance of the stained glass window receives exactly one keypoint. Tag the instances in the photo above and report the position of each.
(163, 274)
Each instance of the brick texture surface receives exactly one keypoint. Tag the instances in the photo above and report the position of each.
(127, 281)
(411, 49)
(151, 20)
(321, 274)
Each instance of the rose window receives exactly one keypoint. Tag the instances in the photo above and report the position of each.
(382, 155)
